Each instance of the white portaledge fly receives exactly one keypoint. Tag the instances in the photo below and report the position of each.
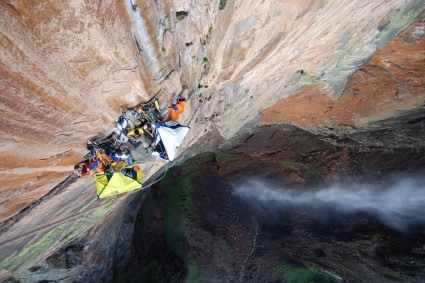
(169, 140)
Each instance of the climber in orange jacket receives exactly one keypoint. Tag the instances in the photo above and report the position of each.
(176, 108)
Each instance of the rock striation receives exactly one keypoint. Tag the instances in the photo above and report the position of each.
(348, 71)
(387, 89)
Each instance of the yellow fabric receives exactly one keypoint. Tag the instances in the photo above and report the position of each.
(118, 165)
(131, 132)
(101, 181)
(104, 158)
(140, 175)
(117, 184)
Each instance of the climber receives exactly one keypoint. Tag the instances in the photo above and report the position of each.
(135, 134)
(136, 138)
(149, 133)
(121, 123)
(86, 168)
(176, 108)
(124, 153)
(103, 157)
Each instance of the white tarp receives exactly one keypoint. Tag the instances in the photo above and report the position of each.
(172, 139)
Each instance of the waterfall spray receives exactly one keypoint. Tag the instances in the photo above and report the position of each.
(400, 205)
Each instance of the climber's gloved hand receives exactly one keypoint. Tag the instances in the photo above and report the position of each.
(182, 99)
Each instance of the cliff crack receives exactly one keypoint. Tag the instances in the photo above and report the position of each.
(251, 252)
(366, 72)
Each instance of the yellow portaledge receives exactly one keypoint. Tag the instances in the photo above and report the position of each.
(113, 183)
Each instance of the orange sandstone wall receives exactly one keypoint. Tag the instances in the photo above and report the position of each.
(389, 84)
(65, 69)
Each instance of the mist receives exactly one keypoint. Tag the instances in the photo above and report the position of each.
(400, 204)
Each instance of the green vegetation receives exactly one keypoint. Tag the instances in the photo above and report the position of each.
(221, 157)
(192, 273)
(58, 236)
(290, 164)
(179, 214)
(303, 275)
(163, 49)
(205, 60)
(203, 41)
(181, 15)
(193, 164)
(223, 3)
(208, 35)
(35, 250)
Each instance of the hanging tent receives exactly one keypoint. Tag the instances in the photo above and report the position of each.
(171, 138)
(113, 183)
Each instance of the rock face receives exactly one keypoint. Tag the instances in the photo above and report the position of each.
(66, 68)
(198, 220)
(387, 87)
(339, 69)
(194, 225)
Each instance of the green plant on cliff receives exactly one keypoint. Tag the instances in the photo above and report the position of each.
(303, 275)
(180, 15)
(179, 213)
(205, 60)
(290, 164)
(57, 236)
(208, 35)
(222, 156)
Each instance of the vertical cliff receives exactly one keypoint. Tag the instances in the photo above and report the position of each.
(334, 68)
(385, 95)
(68, 67)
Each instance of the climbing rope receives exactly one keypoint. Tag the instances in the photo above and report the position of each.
(77, 214)
(74, 215)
